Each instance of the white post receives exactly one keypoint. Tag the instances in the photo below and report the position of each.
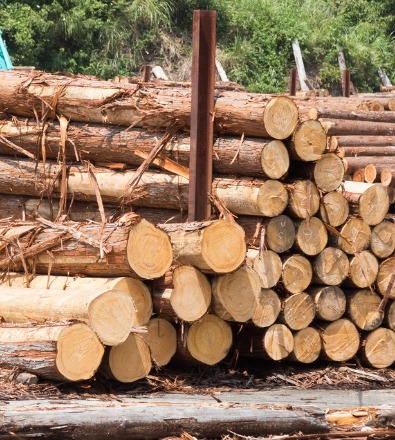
(159, 73)
(384, 78)
(300, 66)
(221, 71)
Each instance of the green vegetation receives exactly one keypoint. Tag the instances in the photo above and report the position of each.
(106, 38)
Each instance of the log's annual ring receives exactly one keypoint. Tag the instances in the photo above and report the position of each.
(162, 340)
(341, 340)
(223, 246)
(329, 172)
(334, 209)
(362, 276)
(332, 266)
(299, 311)
(297, 273)
(384, 276)
(380, 348)
(310, 140)
(278, 342)
(275, 159)
(382, 241)
(363, 310)
(267, 309)
(374, 204)
(307, 345)
(280, 117)
(280, 234)
(149, 250)
(357, 231)
(272, 198)
(298, 199)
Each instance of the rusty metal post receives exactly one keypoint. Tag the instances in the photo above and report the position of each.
(147, 73)
(202, 108)
(292, 82)
(346, 83)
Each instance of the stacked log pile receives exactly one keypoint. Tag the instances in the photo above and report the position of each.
(295, 263)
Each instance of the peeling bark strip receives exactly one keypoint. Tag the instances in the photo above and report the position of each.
(87, 99)
(140, 250)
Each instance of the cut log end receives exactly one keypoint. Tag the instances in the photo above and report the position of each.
(223, 239)
(376, 106)
(370, 173)
(363, 270)
(162, 340)
(268, 266)
(298, 199)
(191, 295)
(340, 340)
(275, 160)
(363, 309)
(334, 209)
(311, 239)
(329, 172)
(280, 117)
(310, 140)
(307, 345)
(382, 241)
(378, 348)
(358, 232)
(299, 311)
(384, 276)
(386, 177)
(131, 360)
(149, 264)
(331, 267)
(209, 339)
(104, 309)
(330, 302)
(278, 342)
(267, 309)
(358, 176)
(374, 204)
(272, 198)
(280, 234)
(297, 273)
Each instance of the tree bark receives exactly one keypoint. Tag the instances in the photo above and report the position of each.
(381, 163)
(362, 141)
(358, 115)
(341, 127)
(59, 352)
(376, 152)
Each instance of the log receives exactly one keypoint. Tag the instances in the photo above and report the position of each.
(268, 306)
(356, 231)
(234, 295)
(95, 101)
(96, 308)
(242, 196)
(358, 175)
(206, 341)
(363, 270)
(330, 302)
(162, 341)
(361, 151)
(362, 309)
(298, 199)
(370, 173)
(129, 361)
(340, 340)
(136, 289)
(384, 276)
(307, 346)
(188, 300)
(298, 311)
(329, 172)
(363, 141)
(378, 348)
(101, 144)
(311, 237)
(275, 343)
(386, 177)
(358, 115)
(297, 273)
(330, 267)
(376, 106)
(267, 265)
(389, 315)
(351, 103)
(382, 240)
(140, 250)
(334, 209)
(217, 246)
(380, 163)
(308, 142)
(69, 352)
(341, 127)
(279, 233)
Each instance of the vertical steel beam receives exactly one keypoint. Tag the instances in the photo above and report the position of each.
(147, 73)
(292, 82)
(202, 108)
(346, 83)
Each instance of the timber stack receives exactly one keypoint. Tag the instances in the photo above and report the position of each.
(296, 262)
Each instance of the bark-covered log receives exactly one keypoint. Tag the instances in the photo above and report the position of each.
(378, 348)
(136, 289)
(62, 352)
(388, 102)
(370, 151)
(381, 163)
(362, 141)
(110, 313)
(108, 144)
(371, 116)
(140, 251)
(91, 100)
(341, 127)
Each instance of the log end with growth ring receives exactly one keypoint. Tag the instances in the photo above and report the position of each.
(272, 198)
(278, 342)
(363, 270)
(363, 309)
(112, 315)
(209, 339)
(298, 199)
(331, 267)
(370, 173)
(298, 311)
(382, 241)
(384, 277)
(311, 238)
(280, 117)
(309, 140)
(280, 234)
(268, 266)
(267, 309)
(329, 172)
(223, 246)
(334, 209)
(358, 232)
(340, 340)
(131, 360)
(374, 204)
(297, 273)
(191, 294)
(149, 250)
(386, 177)
(330, 302)
(79, 352)
(378, 348)
(307, 345)
(275, 160)
(162, 340)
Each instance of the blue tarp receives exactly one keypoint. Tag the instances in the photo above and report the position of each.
(5, 61)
